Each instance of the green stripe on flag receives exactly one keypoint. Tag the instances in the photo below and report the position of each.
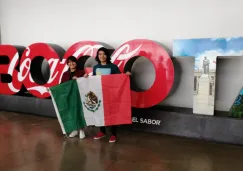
(69, 106)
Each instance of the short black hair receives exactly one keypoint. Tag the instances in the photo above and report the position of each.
(72, 58)
(108, 57)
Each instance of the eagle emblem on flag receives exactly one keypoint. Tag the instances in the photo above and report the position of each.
(91, 103)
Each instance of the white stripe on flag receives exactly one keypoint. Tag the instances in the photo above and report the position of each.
(57, 112)
(85, 85)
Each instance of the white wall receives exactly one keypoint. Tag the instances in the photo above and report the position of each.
(111, 21)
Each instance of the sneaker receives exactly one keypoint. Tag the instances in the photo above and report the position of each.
(112, 139)
(99, 136)
(73, 134)
(81, 134)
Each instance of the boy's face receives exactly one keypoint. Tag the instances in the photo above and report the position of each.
(102, 56)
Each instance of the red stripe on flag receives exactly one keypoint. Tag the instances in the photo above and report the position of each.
(116, 99)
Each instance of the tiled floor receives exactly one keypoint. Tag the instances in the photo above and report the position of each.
(31, 143)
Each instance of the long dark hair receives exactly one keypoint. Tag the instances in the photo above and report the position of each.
(108, 57)
(73, 59)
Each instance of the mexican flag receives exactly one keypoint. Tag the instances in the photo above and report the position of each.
(97, 100)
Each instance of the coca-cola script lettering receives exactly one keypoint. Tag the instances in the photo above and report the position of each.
(56, 58)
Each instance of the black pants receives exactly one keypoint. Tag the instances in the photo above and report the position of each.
(113, 130)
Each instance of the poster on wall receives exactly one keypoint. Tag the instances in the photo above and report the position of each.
(206, 51)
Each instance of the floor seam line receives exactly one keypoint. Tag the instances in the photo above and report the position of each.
(110, 165)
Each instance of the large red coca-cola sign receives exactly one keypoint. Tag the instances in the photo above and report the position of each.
(22, 67)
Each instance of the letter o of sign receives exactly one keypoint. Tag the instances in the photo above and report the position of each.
(53, 55)
(163, 65)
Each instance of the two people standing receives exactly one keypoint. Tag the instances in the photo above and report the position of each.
(104, 67)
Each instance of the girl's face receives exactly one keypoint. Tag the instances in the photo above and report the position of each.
(102, 56)
(72, 65)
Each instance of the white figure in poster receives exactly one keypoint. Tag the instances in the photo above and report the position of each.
(206, 66)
